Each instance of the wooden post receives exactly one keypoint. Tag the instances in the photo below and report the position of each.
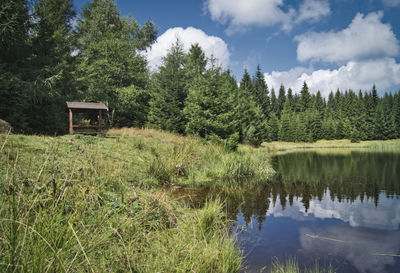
(99, 121)
(71, 129)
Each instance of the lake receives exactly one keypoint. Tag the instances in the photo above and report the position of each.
(334, 208)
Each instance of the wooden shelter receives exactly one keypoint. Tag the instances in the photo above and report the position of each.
(88, 108)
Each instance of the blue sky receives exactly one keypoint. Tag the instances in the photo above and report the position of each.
(330, 44)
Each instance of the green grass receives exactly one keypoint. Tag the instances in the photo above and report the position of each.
(292, 266)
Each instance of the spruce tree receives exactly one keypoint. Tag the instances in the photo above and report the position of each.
(273, 126)
(330, 106)
(195, 64)
(370, 117)
(316, 125)
(388, 129)
(301, 133)
(328, 128)
(209, 108)
(320, 104)
(287, 132)
(109, 57)
(261, 92)
(251, 120)
(15, 67)
(305, 98)
(359, 117)
(52, 46)
(169, 92)
(281, 100)
(274, 102)
(291, 100)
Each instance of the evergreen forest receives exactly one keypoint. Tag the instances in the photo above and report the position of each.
(49, 55)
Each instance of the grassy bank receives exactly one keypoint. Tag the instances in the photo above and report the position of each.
(332, 146)
(88, 204)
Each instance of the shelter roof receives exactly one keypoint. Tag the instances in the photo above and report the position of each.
(86, 105)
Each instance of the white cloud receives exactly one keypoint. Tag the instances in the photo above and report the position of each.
(242, 13)
(313, 10)
(385, 73)
(365, 38)
(211, 45)
(249, 12)
(391, 3)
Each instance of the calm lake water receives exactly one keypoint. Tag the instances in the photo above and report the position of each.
(340, 209)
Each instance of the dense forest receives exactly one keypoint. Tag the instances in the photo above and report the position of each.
(49, 55)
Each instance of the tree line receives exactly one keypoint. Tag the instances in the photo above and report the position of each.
(49, 55)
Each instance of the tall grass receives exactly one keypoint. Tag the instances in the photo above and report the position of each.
(190, 161)
(86, 204)
(291, 266)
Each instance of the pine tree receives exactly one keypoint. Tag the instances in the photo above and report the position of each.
(195, 64)
(388, 129)
(273, 126)
(274, 102)
(359, 118)
(320, 104)
(132, 107)
(291, 100)
(301, 134)
(281, 100)
(343, 129)
(252, 122)
(328, 128)
(330, 106)
(305, 98)
(374, 96)
(316, 125)
(370, 117)
(261, 92)
(15, 67)
(53, 43)
(287, 132)
(209, 107)
(379, 124)
(109, 56)
(169, 92)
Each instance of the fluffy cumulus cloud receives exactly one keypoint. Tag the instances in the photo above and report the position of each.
(242, 13)
(354, 75)
(211, 45)
(365, 52)
(365, 37)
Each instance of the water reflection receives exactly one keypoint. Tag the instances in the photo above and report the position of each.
(341, 210)
(364, 249)
(337, 209)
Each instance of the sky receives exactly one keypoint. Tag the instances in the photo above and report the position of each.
(330, 44)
